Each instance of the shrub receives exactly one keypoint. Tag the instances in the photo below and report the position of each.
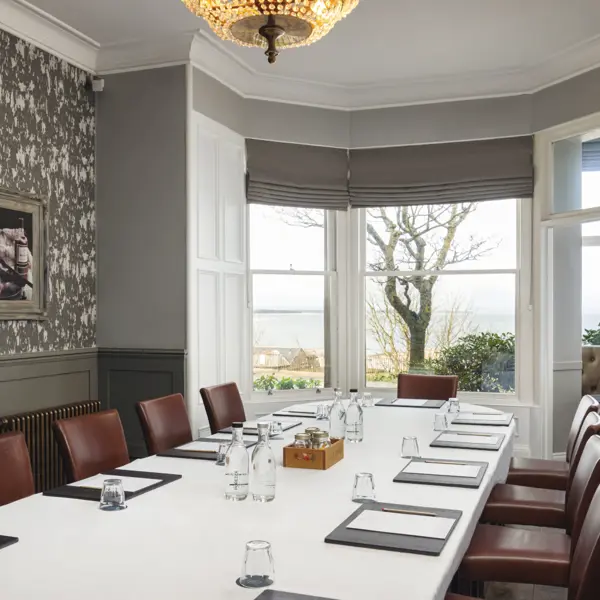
(591, 337)
(270, 382)
(483, 362)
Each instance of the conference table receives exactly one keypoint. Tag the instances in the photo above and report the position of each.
(184, 541)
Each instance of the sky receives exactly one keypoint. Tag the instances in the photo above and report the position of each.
(277, 245)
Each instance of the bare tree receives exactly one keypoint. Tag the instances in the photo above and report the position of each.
(419, 242)
(421, 239)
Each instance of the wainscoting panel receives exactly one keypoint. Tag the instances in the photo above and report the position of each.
(41, 380)
(127, 376)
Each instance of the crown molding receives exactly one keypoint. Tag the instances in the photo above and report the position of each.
(207, 53)
(44, 31)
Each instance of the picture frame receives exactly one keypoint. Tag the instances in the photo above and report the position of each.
(23, 256)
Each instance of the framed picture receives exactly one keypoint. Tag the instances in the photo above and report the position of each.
(23, 256)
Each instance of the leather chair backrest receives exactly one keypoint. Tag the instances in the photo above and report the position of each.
(16, 478)
(223, 405)
(586, 480)
(589, 427)
(164, 422)
(91, 444)
(586, 405)
(584, 579)
(430, 387)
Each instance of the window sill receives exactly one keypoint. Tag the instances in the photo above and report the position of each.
(290, 396)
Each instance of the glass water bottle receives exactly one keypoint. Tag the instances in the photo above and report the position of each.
(237, 466)
(337, 417)
(354, 419)
(262, 482)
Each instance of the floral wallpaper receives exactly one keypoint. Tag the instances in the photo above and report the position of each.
(47, 142)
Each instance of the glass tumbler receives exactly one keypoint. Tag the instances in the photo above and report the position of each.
(367, 400)
(364, 488)
(112, 496)
(276, 428)
(322, 412)
(258, 570)
(410, 448)
(453, 406)
(440, 422)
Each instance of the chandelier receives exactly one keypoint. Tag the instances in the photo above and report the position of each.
(272, 25)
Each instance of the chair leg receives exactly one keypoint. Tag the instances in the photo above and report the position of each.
(466, 587)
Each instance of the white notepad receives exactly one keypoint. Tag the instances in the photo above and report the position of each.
(307, 409)
(410, 401)
(130, 484)
(482, 417)
(201, 446)
(488, 440)
(447, 470)
(403, 524)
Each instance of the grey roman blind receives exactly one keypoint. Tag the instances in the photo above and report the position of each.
(457, 172)
(297, 175)
(591, 155)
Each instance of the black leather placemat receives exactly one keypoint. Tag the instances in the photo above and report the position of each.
(199, 454)
(277, 595)
(7, 540)
(479, 419)
(392, 541)
(93, 494)
(285, 426)
(444, 480)
(437, 443)
(397, 403)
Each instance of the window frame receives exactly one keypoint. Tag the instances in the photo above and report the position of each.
(523, 312)
(331, 317)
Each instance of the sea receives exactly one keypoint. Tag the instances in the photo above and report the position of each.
(304, 329)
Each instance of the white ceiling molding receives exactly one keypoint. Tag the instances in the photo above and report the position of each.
(44, 31)
(145, 54)
(210, 55)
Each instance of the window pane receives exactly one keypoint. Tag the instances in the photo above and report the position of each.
(287, 238)
(443, 236)
(452, 324)
(289, 337)
(590, 293)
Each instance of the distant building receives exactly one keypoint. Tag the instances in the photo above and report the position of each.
(290, 359)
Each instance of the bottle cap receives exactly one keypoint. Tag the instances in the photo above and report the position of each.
(354, 391)
(237, 425)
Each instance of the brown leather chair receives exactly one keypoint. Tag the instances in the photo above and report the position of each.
(551, 474)
(16, 481)
(546, 557)
(223, 405)
(520, 505)
(91, 444)
(164, 422)
(430, 387)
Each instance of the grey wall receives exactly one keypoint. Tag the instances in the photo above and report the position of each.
(47, 136)
(275, 121)
(44, 380)
(141, 203)
(402, 125)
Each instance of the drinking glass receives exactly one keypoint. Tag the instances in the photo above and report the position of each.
(221, 453)
(113, 495)
(276, 428)
(322, 412)
(440, 422)
(367, 400)
(258, 570)
(364, 488)
(410, 448)
(453, 406)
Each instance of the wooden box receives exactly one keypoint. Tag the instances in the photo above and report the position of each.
(309, 458)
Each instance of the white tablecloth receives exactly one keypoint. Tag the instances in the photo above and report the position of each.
(185, 541)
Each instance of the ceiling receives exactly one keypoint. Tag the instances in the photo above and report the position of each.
(385, 43)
